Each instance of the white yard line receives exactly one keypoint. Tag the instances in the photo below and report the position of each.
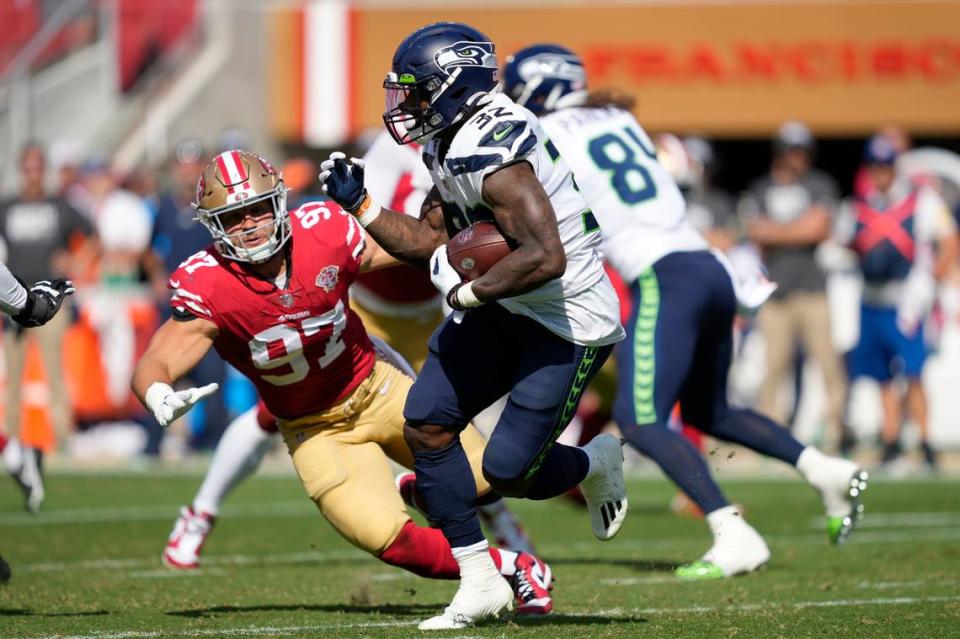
(589, 547)
(215, 560)
(863, 585)
(903, 520)
(279, 631)
(299, 508)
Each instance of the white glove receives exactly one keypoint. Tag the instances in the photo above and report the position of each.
(444, 278)
(168, 405)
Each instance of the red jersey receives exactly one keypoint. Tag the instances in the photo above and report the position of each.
(302, 346)
(398, 179)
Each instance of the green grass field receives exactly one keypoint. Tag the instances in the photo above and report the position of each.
(89, 567)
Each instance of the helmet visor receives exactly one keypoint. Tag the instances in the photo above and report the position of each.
(408, 109)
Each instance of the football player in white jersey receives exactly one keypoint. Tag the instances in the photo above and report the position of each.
(679, 336)
(538, 324)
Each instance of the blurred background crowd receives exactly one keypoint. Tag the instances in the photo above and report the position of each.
(109, 109)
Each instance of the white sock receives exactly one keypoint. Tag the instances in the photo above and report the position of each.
(722, 520)
(239, 452)
(13, 456)
(811, 463)
(475, 561)
(508, 561)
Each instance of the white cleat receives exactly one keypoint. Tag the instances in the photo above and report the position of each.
(23, 463)
(187, 538)
(603, 488)
(737, 549)
(472, 603)
(840, 483)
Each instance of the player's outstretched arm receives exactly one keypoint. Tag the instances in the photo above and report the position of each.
(524, 213)
(405, 238)
(174, 350)
(409, 239)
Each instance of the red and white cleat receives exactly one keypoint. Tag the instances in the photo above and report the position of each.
(532, 584)
(407, 485)
(187, 538)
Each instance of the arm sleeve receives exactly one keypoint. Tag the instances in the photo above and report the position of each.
(934, 220)
(12, 294)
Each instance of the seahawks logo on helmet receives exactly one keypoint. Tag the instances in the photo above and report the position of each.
(466, 54)
(552, 65)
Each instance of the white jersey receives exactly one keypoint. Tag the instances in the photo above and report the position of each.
(12, 294)
(581, 306)
(637, 203)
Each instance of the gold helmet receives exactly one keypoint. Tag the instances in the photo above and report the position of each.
(235, 180)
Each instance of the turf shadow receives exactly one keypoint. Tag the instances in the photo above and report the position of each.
(387, 609)
(640, 565)
(21, 612)
(560, 619)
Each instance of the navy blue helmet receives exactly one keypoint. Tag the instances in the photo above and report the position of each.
(544, 78)
(439, 72)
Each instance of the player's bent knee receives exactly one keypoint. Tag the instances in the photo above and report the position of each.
(504, 482)
(420, 436)
(376, 539)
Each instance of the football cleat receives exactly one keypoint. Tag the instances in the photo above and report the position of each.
(474, 601)
(737, 549)
(505, 527)
(25, 465)
(407, 487)
(189, 533)
(603, 487)
(531, 585)
(4, 570)
(843, 518)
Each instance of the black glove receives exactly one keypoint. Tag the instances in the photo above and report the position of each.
(44, 299)
(342, 180)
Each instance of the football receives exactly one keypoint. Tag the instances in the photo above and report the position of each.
(476, 248)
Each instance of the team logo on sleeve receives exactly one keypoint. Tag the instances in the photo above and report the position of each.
(466, 54)
(327, 279)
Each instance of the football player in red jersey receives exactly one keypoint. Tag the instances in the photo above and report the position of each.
(270, 295)
(400, 306)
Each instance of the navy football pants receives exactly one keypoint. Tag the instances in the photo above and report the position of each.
(679, 347)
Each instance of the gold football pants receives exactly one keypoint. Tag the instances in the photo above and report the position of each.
(341, 457)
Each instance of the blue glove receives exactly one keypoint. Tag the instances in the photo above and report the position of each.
(342, 180)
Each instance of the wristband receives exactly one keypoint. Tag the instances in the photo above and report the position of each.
(155, 395)
(367, 212)
(462, 297)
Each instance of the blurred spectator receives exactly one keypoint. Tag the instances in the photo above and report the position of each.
(176, 234)
(901, 142)
(38, 230)
(905, 239)
(787, 215)
(66, 158)
(123, 224)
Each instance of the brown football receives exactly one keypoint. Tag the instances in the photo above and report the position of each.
(476, 248)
